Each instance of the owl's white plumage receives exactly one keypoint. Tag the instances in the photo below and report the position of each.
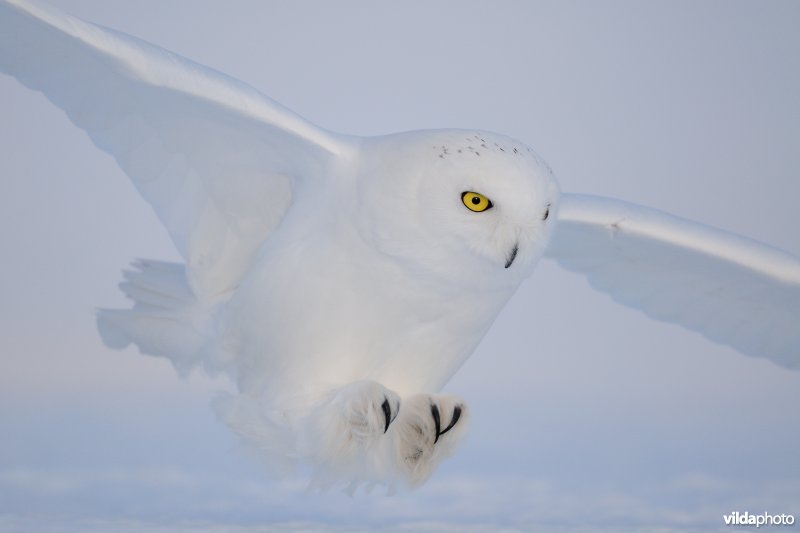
(317, 261)
(387, 267)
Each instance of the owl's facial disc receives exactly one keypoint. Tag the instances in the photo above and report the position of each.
(480, 203)
(487, 199)
(513, 254)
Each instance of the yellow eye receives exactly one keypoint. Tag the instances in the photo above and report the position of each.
(476, 201)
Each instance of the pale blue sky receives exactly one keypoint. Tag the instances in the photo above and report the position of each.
(585, 413)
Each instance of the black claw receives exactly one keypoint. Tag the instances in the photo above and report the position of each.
(437, 421)
(456, 416)
(387, 412)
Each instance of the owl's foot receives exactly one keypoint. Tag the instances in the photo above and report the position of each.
(426, 431)
(365, 433)
(366, 409)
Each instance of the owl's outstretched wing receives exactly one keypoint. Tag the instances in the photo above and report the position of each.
(731, 289)
(219, 162)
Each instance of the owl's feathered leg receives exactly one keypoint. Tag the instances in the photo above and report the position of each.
(427, 431)
(359, 412)
(362, 433)
(345, 433)
(358, 434)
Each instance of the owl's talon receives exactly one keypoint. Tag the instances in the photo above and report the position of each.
(423, 435)
(359, 412)
(387, 413)
(438, 423)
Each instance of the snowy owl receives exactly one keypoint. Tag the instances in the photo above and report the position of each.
(340, 281)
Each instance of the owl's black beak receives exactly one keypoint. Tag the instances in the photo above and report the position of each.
(512, 255)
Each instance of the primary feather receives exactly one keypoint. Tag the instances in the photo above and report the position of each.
(733, 290)
(218, 162)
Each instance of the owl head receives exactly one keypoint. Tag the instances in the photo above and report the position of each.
(457, 204)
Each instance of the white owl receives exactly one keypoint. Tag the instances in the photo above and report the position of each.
(341, 281)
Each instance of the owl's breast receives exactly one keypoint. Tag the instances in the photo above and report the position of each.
(318, 313)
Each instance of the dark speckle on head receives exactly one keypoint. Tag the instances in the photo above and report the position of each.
(478, 145)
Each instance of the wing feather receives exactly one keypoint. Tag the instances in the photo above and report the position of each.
(218, 161)
(733, 290)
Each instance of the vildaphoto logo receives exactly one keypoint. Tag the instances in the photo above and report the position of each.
(765, 519)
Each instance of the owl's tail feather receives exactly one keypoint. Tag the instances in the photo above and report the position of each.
(165, 320)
